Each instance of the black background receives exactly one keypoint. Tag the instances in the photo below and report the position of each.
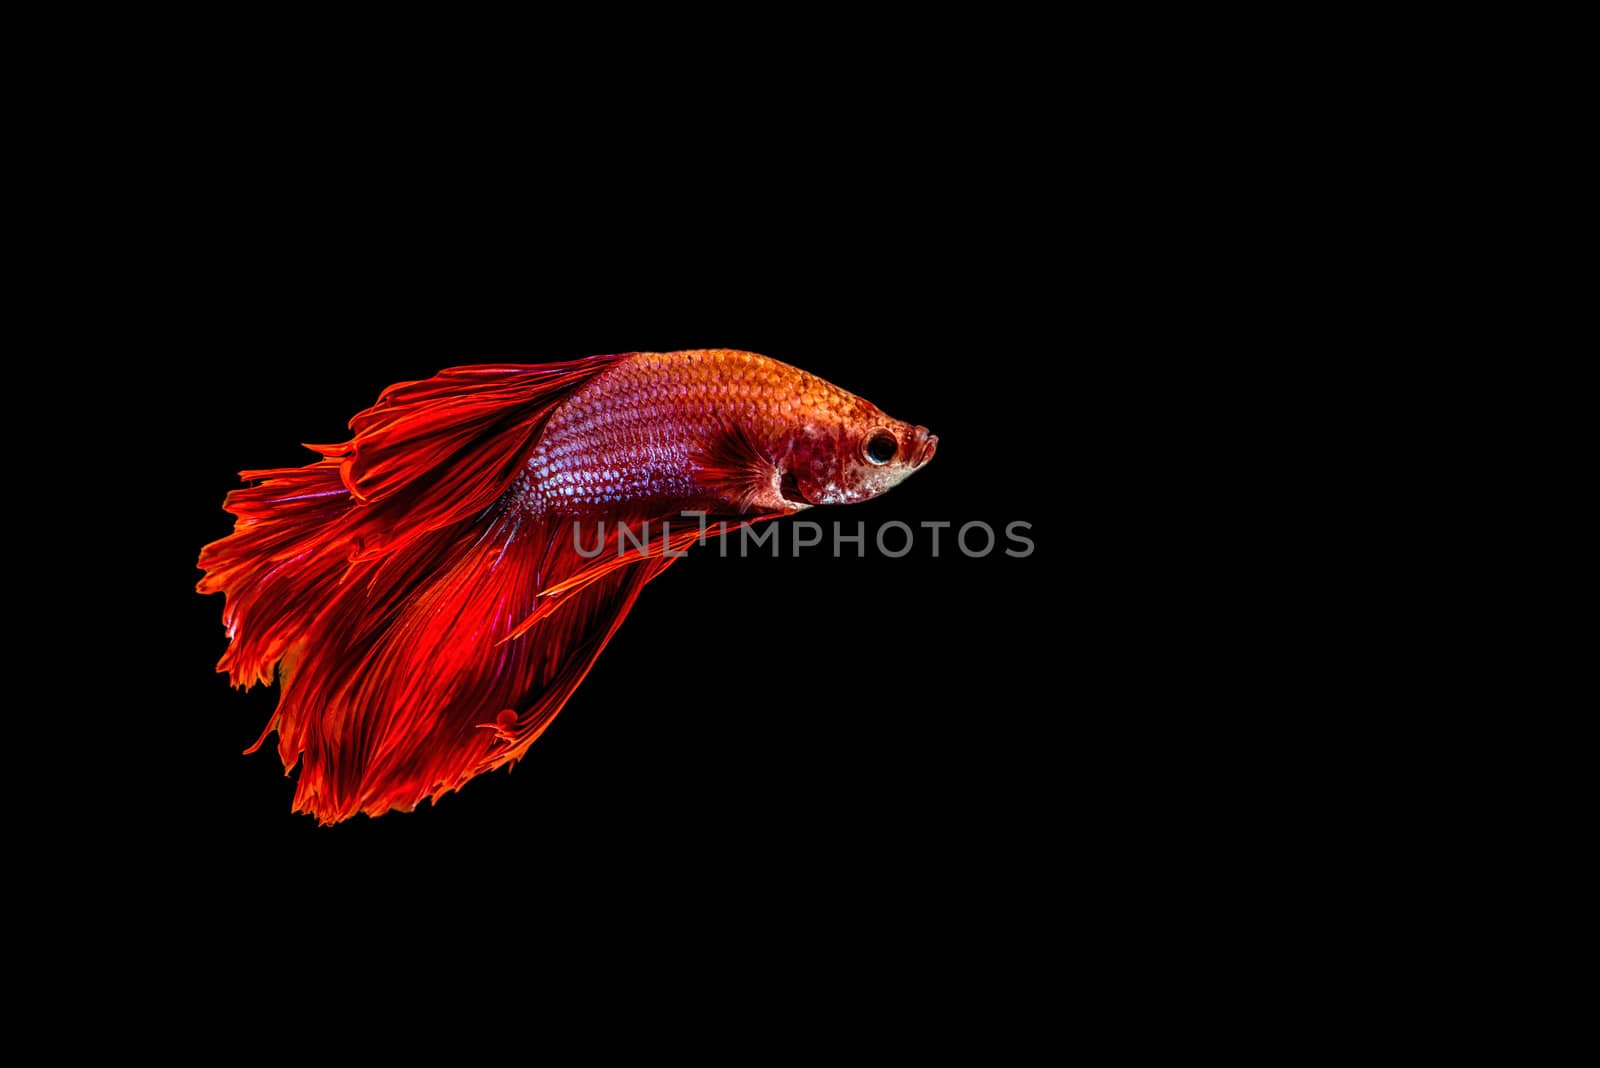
(1013, 790)
(936, 773)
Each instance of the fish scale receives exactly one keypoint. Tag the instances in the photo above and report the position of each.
(631, 437)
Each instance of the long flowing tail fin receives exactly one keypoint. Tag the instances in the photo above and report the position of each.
(414, 681)
(389, 587)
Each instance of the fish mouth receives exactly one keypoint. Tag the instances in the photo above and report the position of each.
(923, 446)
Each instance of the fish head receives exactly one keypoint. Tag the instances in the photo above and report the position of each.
(855, 458)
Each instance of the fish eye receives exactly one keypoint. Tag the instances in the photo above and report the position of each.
(879, 447)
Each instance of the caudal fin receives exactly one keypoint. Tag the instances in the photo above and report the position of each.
(382, 585)
(286, 555)
(382, 716)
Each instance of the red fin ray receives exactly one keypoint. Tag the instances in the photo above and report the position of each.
(439, 451)
(383, 717)
(332, 569)
(740, 470)
(385, 710)
(275, 563)
(428, 454)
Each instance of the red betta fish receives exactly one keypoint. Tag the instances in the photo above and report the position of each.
(428, 594)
